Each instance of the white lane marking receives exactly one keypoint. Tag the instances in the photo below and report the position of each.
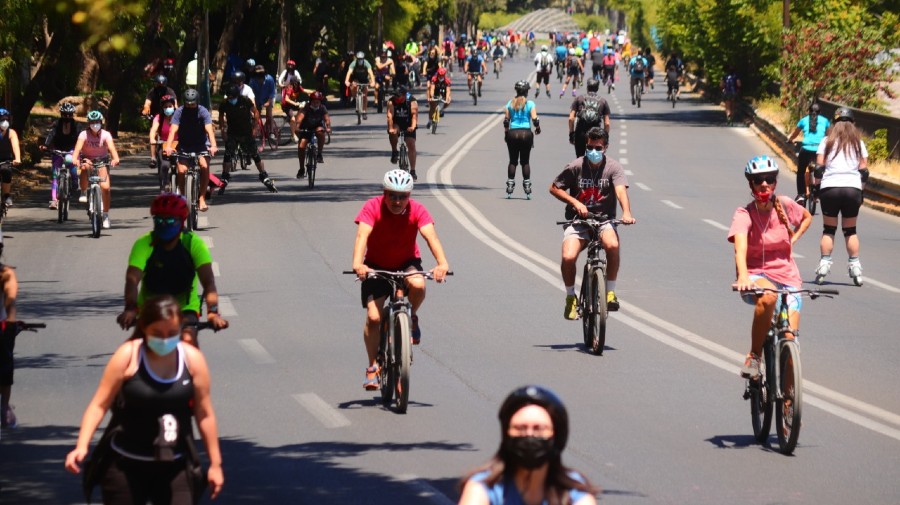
(797, 255)
(546, 270)
(209, 241)
(624, 134)
(623, 161)
(226, 308)
(257, 352)
(203, 222)
(623, 141)
(628, 173)
(886, 287)
(215, 267)
(716, 224)
(623, 120)
(325, 413)
(623, 151)
(623, 127)
(672, 204)
(643, 186)
(425, 490)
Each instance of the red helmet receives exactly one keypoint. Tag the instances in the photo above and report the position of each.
(169, 204)
(317, 95)
(291, 63)
(441, 72)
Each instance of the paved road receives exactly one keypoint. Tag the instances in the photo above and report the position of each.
(658, 419)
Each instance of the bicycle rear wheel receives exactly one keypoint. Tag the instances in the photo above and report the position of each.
(789, 404)
(761, 394)
(62, 195)
(190, 197)
(400, 333)
(598, 314)
(812, 202)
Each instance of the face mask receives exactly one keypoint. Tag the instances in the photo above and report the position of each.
(594, 157)
(166, 232)
(528, 452)
(169, 111)
(163, 345)
(95, 127)
(233, 101)
(762, 197)
(4, 125)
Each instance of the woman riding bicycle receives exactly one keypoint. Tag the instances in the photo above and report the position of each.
(813, 127)
(93, 143)
(62, 137)
(159, 132)
(520, 114)
(764, 232)
(312, 120)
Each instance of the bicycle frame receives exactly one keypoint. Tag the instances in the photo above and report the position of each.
(192, 185)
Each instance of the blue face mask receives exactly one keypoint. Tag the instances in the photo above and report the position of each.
(163, 345)
(166, 231)
(594, 156)
(233, 101)
(169, 111)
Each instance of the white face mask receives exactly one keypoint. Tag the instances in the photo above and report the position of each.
(96, 127)
(4, 125)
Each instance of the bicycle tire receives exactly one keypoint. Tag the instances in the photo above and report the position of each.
(189, 196)
(242, 159)
(379, 99)
(598, 313)
(640, 91)
(195, 208)
(761, 406)
(311, 165)
(401, 334)
(584, 305)
(386, 353)
(790, 385)
(96, 211)
(62, 195)
(403, 162)
(434, 120)
(274, 137)
(812, 202)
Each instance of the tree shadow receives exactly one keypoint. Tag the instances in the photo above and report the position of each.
(48, 304)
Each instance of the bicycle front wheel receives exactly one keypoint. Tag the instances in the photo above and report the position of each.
(790, 404)
(191, 200)
(598, 314)
(386, 372)
(400, 334)
(404, 158)
(96, 211)
(311, 165)
(812, 202)
(62, 195)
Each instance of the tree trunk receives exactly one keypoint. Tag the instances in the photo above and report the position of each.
(21, 109)
(284, 39)
(235, 16)
(90, 72)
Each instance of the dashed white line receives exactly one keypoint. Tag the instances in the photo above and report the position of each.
(716, 224)
(643, 186)
(623, 161)
(886, 287)
(257, 352)
(624, 134)
(325, 413)
(203, 222)
(623, 141)
(672, 204)
(226, 308)
(208, 240)
(215, 268)
(623, 151)
(629, 173)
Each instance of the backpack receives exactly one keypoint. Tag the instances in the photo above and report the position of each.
(609, 60)
(638, 65)
(546, 64)
(589, 114)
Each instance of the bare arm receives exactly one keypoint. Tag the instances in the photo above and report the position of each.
(10, 292)
(114, 154)
(359, 249)
(132, 278)
(154, 131)
(173, 130)
(802, 227)
(76, 154)
(212, 139)
(743, 281)
(474, 493)
(794, 134)
(14, 141)
(430, 235)
(622, 195)
(211, 294)
(206, 418)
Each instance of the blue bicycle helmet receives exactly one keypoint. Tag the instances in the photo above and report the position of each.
(760, 165)
(94, 116)
(4, 113)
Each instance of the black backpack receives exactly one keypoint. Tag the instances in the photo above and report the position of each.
(590, 113)
(639, 64)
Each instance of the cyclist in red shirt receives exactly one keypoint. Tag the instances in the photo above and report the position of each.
(386, 240)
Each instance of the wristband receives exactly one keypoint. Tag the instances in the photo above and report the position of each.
(212, 309)
(537, 122)
(506, 123)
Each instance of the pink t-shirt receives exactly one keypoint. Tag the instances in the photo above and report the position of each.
(768, 241)
(95, 146)
(164, 125)
(392, 242)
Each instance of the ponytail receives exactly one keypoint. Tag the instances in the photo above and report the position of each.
(519, 103)
(813, 120)
(782, 216)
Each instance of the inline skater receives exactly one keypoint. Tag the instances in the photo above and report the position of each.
(62, 137)
(543, 63)
(192, 123)
(312, 120)
(520, 113)
(93, 143)
(814, 128)
(386, 240)
(438, 89)
(238, 117)
(587, 111)
(403, 113)
(574, 69)
(593, 183)
(360, 73)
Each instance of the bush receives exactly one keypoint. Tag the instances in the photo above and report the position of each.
(878, 146)
(590, 23)
(494, 20)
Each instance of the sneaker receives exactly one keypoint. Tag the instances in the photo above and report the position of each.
(54, 204)
(271, 137)
(223, 186)
(751, 367)
(371, 383)
(319, 158)
(395, 155)
(612, 303)
(9, 418)
(801, 200)
(365, 116)
(416, 331)
(571, 312)
(301, 173)
(82, 198)
(105, 220)
(548, 93)
(441, 114)
(633, 102)
(428, 125)
(613, 86)
(414, 176)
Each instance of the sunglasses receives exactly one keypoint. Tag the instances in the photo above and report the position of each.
(768, 179)
(594, 148)
(398, 197)
(167, 221)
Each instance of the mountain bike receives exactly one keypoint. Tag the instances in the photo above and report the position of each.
(591, 306)
(672, 96)
(436, 113)
(268, 132)
(395, 348)
(497, 64)
(66, 184)
(362, 94)
(95, 195)
(779, 385)
(474, 87)
(192, 186)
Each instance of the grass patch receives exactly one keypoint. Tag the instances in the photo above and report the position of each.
(771, 110)
(494, 20)
(886, 168)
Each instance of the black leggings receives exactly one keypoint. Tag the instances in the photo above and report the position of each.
(519, 142)
(128, 481)
(804, 160)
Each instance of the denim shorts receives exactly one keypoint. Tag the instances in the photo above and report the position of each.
(795, 302)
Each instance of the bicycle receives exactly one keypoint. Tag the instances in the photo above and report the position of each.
(672, 97)
(436, 113)
(268, 136)
(311, 156)
(474, 86)
(403, 157)
(95, 195)
(66, 185)
(4, 208)
(609, 80)
(782, 382)
(395, 350)
(591, 306)
(362, 94)
(192, 186)
(637, 89)
(497, 63)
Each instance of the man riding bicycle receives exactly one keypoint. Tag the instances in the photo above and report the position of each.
(192, 123)
(609, 68)
(360, 73)
(171, 261)
(637, 68)
(477, 67)
(591, 184)
(388, 226)
(384, 72)
(312, 120)
(238, 118)
(403, 114)
(438, 89)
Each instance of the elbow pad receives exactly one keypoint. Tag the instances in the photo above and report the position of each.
(506, 123)
(537, 122)
(819, 171)
(864, 175)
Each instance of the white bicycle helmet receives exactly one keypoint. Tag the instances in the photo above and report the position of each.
(760, 165)
(399, 181)
(572, 51)
(544, 49)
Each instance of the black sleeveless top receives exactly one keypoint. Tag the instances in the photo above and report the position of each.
(6, 152)
(145, 398)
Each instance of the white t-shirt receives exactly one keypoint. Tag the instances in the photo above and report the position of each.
(842, 169)
(247, 91)
(286, 78)
(542, 56)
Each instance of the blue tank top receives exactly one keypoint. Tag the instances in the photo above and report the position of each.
(811, 140)
(520, 119)
(505, 492)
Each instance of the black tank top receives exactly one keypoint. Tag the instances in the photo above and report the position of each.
(6, 152)
(145, 398)
(170, 272)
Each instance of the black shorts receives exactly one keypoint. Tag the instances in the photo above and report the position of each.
(7, 346)
(377, 288)
(543, 77)
(248, 145)
(573, 71)
(843, 201)
(6, 173)
(404, 129)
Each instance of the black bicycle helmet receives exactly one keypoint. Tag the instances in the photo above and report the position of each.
(191, 95)
(67, 108)
(161, 80)
(233, 90)
(537, 395)
(843, 114)
(238, 77)
(814, 108)
(522, 88)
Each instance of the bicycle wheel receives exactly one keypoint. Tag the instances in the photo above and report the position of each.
(790, 403)
(404, 158)
(400, 333)
(386, 372)
(812, 202)
(242, 160)
(311, 165)
(62, 195)
(195, 208)
(379, 99)
(761, 394)
(190, 197)
(274, 133)
(598, 314)
(638, 93)
(96, 211)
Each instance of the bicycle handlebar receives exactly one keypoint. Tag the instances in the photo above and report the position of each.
(23, 326)
(593, 219)
(398, 273)
(813, 293)
(187, 155)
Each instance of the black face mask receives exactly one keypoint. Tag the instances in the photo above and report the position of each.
(528, 452)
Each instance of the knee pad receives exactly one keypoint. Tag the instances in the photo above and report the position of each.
(849, 231)
(829, 230)
(256, 159)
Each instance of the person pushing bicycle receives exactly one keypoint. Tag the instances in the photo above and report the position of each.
(591, 184)
(171, 261)
(386, 240)
(764, 232)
